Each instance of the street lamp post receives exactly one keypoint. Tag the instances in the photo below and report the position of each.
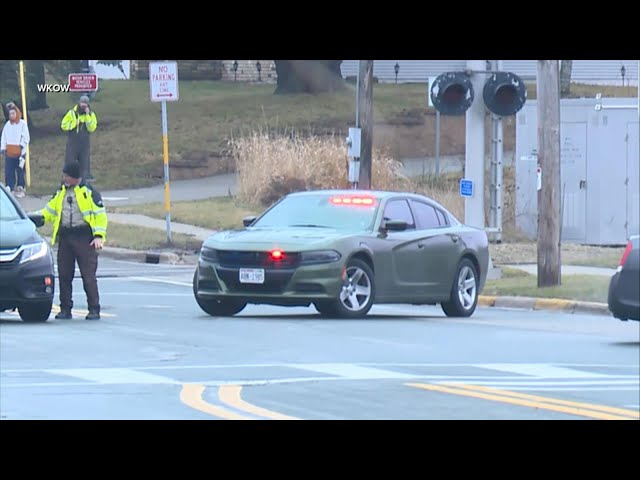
(396, 68)
(235, 70)
(623, 71)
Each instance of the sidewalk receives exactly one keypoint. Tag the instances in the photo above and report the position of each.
(567, 270)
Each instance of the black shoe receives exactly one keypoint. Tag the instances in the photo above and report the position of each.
(93, 316)
(64, 315)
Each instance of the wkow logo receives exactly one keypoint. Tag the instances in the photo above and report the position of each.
(53, 87)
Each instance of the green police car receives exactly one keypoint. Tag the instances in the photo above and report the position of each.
(343, 251)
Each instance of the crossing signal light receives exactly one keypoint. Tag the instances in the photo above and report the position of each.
(452, 93)
(504, 93)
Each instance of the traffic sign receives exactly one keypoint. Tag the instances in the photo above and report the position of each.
(163, 81)
(466, 188)
(83, 82)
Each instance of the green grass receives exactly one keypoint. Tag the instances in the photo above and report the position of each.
(141, 238)
(127, 147)
(213, 213)
(514, 282)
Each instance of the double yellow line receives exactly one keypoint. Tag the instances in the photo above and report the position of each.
(230, 395)
(600, 412)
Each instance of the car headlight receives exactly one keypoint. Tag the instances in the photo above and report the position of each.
(33, 251)
(319, 256)
(209, 254)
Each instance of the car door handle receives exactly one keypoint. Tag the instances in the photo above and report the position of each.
(420, 245)
(455, 238)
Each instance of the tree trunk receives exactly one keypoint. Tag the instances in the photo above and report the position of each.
(549, 162)
(565, 77)
(308, 76)
(34, 76)
(365, 94)
(9, 84)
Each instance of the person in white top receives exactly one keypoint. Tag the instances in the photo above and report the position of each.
(13, 145)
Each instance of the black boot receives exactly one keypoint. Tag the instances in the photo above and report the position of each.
(64, 315)
(93, 315)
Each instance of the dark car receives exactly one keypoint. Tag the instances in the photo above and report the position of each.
(343, 251)
(624, 287)
(27, 279)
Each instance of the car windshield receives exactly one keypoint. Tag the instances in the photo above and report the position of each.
(341, 212)
(8, 211)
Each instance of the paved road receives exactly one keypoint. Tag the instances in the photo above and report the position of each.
(155, 355)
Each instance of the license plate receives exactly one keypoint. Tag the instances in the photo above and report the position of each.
(251, 275)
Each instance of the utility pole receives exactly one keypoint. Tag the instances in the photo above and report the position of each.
(548, 94)
(365, 101)
(474, 148)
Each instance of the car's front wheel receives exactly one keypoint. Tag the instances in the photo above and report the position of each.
(217, 307)
(464, 291)
(35, 312)
(357, 292)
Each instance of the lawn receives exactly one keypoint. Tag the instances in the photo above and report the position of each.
(127, 147)
(589, 288)
(141, 238)
(212, 213)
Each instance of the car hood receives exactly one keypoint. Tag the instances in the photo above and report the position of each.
(285, 238)
(17, 232)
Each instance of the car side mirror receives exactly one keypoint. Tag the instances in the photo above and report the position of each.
(37, 219)
(247, 221)
(395, 225)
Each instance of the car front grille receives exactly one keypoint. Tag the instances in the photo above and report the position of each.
(241, 259)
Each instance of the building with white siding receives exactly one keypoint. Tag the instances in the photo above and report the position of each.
(606, 72)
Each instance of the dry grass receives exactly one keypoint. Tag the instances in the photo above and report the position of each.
(264, 159)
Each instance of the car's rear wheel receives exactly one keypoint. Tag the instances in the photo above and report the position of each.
(217, 307)
(464, 291)
(357, 292)
(35, 312)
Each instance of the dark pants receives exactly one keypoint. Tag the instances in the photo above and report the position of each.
(75, 245)
(78, 151)
(11, 168)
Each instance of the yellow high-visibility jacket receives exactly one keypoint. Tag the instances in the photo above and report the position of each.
(73, 121)
(90, 203)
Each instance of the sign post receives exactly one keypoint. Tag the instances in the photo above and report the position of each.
(163, 83)
(23, 93)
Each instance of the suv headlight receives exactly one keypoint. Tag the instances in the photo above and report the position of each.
(33, 251)
(319, 256)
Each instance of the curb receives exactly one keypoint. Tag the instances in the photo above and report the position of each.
(550, 304)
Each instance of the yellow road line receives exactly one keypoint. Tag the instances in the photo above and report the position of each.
(517, 401)
(230, 395)
(191, 395)
(588, 406)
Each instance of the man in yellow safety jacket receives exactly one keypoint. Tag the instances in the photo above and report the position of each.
(80, 223)
(79, 123)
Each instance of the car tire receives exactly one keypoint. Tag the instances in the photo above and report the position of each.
(326, 308)
(362, 294)
(35, 312)
(464, 296)
(217, 307)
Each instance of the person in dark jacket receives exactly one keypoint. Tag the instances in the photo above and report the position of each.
(79, 123)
